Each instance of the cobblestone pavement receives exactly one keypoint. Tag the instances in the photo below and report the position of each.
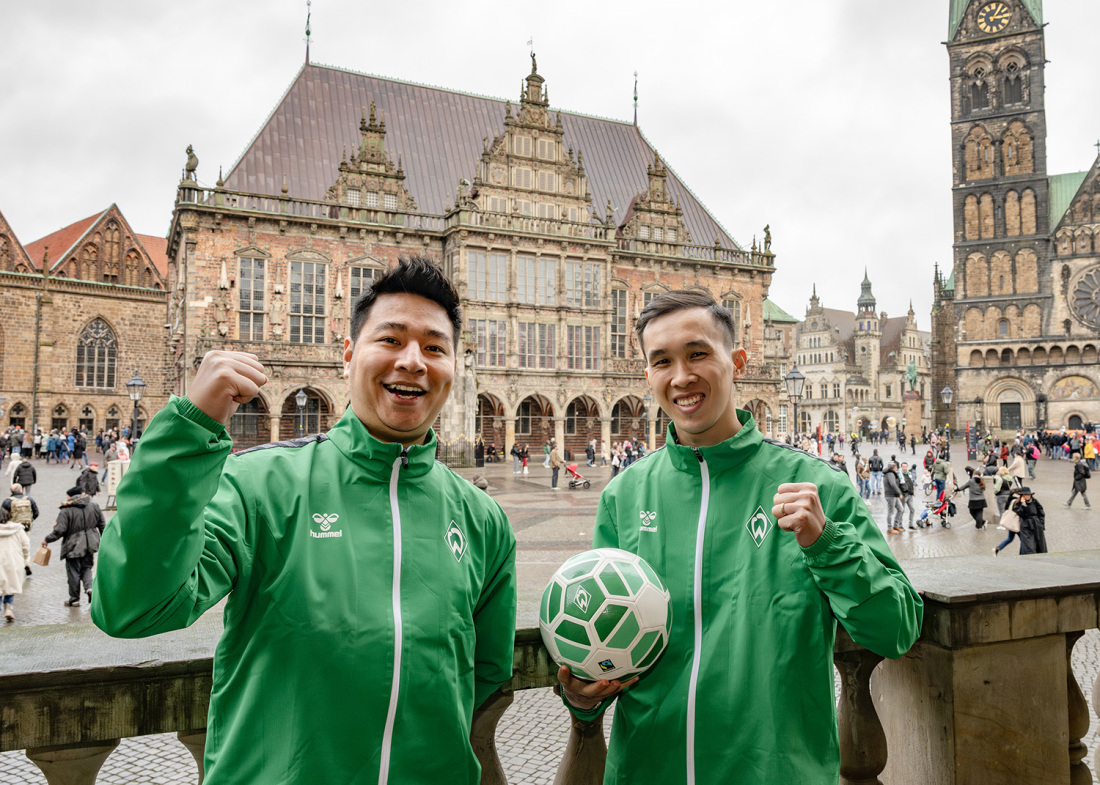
(550, 526)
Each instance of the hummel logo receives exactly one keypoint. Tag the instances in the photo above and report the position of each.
(324, 522)
(649, 521)
(759, 526)
(456, 541)
(581, 600)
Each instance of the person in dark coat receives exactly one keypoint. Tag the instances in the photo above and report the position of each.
(1033, 520)
(976, 502)
(89, 479)
(1081, 475)
(893, 499)
(25, 475)
(79, 526)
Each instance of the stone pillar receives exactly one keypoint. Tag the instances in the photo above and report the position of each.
(605, 435)
(650, 429)
(912, 410)
(195, 742)
(1079, 773)
(483, 737)
(862, 741)
(76, 764)
(273, 421)
(509, 437)
(559, 433)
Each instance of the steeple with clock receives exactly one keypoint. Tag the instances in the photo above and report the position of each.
(998, 133)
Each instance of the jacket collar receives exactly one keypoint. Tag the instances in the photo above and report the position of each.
(353, 439)
(719, 457)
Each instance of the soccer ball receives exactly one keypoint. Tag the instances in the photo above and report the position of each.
(606, 615)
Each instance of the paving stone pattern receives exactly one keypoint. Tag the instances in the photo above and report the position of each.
(550, 527)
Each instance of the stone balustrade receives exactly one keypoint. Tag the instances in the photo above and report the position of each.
(987, 695)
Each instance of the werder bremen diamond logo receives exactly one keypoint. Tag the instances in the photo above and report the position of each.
(456, 541)
(759, 526)
(582, 599)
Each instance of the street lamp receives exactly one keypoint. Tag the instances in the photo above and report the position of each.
(946, 394)
(301, 399)
(795, 381)
(136, 388)
(647, 402)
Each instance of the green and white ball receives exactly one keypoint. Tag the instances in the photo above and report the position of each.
(606, 615)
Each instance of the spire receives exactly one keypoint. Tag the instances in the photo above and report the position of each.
(308, 12)
(635, 99)
(866, 300)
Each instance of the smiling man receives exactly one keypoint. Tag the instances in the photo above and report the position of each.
(371, 591)
(763, 548)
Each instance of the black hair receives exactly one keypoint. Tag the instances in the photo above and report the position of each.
(682, 299)
(419, 275)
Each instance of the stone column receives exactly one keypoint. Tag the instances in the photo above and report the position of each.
(605, 434)
(273, 420)
(509, 437)
(76, 764)
(1079, 773)
(195, 742)
(559, 433)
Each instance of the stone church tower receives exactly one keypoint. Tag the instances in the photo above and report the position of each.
(868, 335)
(1005, 294)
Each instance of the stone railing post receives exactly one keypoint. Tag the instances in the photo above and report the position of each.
(585, 754)
(862, 740)
(483, 736)
(72, 764)
(1079, 773)
(1096, 708)
(195, 742)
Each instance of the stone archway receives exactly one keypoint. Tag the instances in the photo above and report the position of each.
(582, 425)
(251, 424)
(533, 422)
(1010, 404)
(489, 424)
(628, 419)
(315, 417)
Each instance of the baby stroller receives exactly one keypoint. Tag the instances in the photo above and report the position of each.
(575, 478)
(940, 509)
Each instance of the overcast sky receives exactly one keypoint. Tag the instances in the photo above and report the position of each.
(827, 120)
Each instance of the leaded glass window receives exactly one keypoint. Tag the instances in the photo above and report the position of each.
(96, 356)
(307, 302)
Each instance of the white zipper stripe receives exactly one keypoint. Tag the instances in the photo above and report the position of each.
(395, 687)
(693, 682)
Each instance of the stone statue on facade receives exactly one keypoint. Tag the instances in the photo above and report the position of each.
(767, 238)
(221, 313)
(191, 165)
(278, 314)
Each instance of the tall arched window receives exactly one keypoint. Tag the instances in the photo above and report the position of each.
(96, 356)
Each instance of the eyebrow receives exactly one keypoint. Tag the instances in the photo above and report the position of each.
(404, 328)
(689, 345)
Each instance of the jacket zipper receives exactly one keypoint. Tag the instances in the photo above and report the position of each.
(395, 686)
(693, 683)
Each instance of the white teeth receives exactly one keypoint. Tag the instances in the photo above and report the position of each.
(689, 401)
(403, 388)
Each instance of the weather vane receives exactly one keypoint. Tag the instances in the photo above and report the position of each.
(309, 12)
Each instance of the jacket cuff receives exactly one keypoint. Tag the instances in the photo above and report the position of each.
(189, 411)
(828, 536)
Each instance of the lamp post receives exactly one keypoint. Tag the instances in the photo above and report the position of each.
(136, 388)
(650, 436)
(301, 399)
(946, 394)
(795, 381)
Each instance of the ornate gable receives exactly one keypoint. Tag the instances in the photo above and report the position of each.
(13, 257)
(102, 249)
(654, 215)
(529, 170)
(370, 180)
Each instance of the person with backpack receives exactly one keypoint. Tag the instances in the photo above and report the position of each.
(1033, 453)
(1081, 475)
(25, 475)
(875, 464)
(21, 509)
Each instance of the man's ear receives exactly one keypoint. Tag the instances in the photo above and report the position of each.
(349, 346)
(740, 362)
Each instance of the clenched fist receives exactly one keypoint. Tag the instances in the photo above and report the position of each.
(224, 381)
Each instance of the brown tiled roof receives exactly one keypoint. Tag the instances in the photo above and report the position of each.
(16, 246)
(438, 135)
(61, 241)
(157, 248)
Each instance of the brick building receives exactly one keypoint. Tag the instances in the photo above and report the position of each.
(1015, 321)
(855, 364)
(557, 228)
(84, 309)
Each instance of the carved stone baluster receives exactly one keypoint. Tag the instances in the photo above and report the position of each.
(483, 737)
(862, 740)
(1079, 773)
(195, 742)
(72, 764)
(1096, 708)
(585, 754)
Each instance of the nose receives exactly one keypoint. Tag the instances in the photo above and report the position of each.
(411, 358)
(682, 375)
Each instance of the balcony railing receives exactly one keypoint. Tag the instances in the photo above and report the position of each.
(514, 222)
(697, 253)
(221, 199)
(986, 695)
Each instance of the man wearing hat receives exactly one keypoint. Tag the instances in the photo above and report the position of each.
(79, 526)
(89, 479)
(1033, 538)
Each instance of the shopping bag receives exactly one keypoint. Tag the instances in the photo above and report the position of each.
(1010, 520)
(42, 556)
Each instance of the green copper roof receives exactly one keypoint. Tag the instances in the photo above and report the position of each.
(950, 285)
(1063, 187)
(773, 313)
(958, 11)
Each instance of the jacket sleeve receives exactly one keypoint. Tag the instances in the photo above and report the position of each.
(34, 510)
(60, 528)
(855, 569)
(495, 617)
(180, 538)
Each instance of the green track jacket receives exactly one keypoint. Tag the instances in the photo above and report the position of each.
(372, 597)
(744, 693)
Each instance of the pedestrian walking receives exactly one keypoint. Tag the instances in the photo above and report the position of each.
(88, 479)
(1033, 538)
(555, 467)
(15, 562)
(79, 527)
(1017, 468)
(25, 475)
(515, 458)
(1003, 483)
(1081, 475)
(524, 454)
(875, 464)
(546, 448)
(893, 503)
(976, 503)
(905, 479)
(863, 477)
(20, 508)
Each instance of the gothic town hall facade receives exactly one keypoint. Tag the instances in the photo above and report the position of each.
(557, 228)
(1016, 322)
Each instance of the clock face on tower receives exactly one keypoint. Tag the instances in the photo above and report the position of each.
(993, 17)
